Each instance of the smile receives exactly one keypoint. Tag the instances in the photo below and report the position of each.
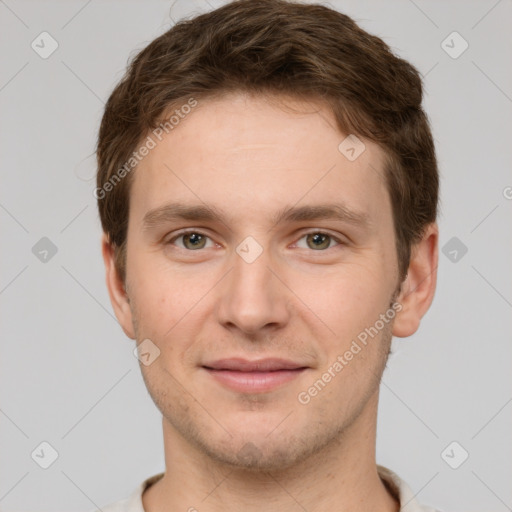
(254, 376)
(254, 381)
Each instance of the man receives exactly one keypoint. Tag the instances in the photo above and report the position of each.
(268, 187)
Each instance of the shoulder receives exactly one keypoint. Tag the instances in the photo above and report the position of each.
(404, 494)
(132, 503)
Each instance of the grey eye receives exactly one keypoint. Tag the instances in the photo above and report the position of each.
(318, 241)
(194, 241)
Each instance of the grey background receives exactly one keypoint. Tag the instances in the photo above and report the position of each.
(68, 375)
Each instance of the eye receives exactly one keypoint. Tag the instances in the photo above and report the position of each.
(192, 240)
(317, 240)
(195, 240)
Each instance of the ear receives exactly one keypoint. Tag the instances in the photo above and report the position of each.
(418, 288)
(116, 289)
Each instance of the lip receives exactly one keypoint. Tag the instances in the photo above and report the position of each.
(256, 376)
(257, 365)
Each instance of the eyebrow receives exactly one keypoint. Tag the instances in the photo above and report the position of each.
(180, 211)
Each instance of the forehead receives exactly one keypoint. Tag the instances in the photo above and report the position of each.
(261, 153)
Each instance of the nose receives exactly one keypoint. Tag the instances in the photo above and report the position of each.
(253, 297)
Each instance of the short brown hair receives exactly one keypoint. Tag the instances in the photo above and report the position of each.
(306, 51)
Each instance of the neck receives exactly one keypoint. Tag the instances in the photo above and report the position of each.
(341, 476)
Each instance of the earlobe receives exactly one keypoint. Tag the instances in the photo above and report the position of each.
(418, 289)
(116, 289)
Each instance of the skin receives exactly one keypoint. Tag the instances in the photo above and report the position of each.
(226, 450)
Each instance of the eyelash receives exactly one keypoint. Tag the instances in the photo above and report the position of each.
(197, 232)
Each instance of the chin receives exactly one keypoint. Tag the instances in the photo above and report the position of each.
(254, 456)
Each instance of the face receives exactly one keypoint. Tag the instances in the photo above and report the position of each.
(253, 237)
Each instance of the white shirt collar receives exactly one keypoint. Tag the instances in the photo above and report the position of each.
(395, 484)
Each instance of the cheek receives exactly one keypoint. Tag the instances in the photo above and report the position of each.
(345, 301)
(167, 306)
(155, 305)
(161, 292)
